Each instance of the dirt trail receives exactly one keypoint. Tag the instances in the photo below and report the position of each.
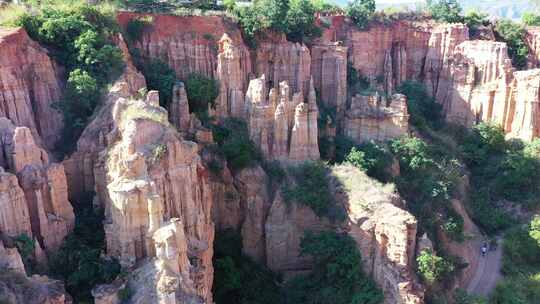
(487, 273)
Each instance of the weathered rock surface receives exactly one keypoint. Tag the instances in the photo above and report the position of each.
(329, 72)
(375, 118)
(524, 106)
(29, 85)
(442, 43)
(16, 287)
(187, 44)
(283, 128)
(179, 109)
(43, 184)
(532, 38)
(385, 233)
(79, 166)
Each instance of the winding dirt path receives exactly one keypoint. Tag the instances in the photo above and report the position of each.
(487, 273)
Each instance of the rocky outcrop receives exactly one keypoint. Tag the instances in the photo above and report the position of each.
(187, 44)
(29, 85)
(45, 200)
(329, 72)
(233, 68)
(524, 106)
(282, 60)
(284, 128)
(14, 214)
(437, 68)
(481, 77)
(148, 175)
(284, 228)
(179, 108)
(376, 118)
(16, 287)
(385, 233)
(392, 52)
(79, 166)
(532, 38)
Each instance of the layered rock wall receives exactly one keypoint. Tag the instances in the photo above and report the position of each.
(376, 118)
(44, 201)
(29, 85)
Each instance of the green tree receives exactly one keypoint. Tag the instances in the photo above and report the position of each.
(159, 76)
(361, 12)
(201, 92)
(337, 275)
(301, 21)
(446, 10)
(530, 19)
(475, 19)
(514, 35)
(423, 108)
(433, 268)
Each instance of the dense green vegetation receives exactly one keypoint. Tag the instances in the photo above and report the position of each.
(514, 35)
(232, 139)
(372, 157)
(237, 278)
(361, 12)
(531, 19)
(337, 276)
(521, 266)
(25, 245)
(159, 76)
(423, 109)
(474, 20)
(78, 262)
(201, 92)
(433, 268)
(78, 37)
(311, 188)
(445, 10)
(136, 26)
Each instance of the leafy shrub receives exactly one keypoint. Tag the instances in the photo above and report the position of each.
(484, 141)
(514, 36)
(78, 262)
(373, 158)
(433, 268)
(237, 278)
(423, 109)
(445, 10)
(274, 170)
(530, 19)
(262, 15)
(159, 76)
(361, 12)
(312, 189)
(125, 294)
(136, 26)
(521, 266)
(337, 276)
(461, 297)
(25, 245)
(79, 38)
(301, 21)
(233, 141)
(356, 82)
(201, 92)
(475, 19)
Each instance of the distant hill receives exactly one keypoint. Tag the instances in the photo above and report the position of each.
(512, 9)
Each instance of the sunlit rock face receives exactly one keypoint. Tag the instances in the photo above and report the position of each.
(377, 118)
(35, 200)
(30, 83)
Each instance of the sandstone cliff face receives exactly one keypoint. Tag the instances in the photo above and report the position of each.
(532, 39)
(16, 287)
(442, 42)
(370, 118)
(29, 85)
(329, 72)
(385, 233)
(44, 203)
(525, 106)
(79, 166)
(187, 44)
(284, 128)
